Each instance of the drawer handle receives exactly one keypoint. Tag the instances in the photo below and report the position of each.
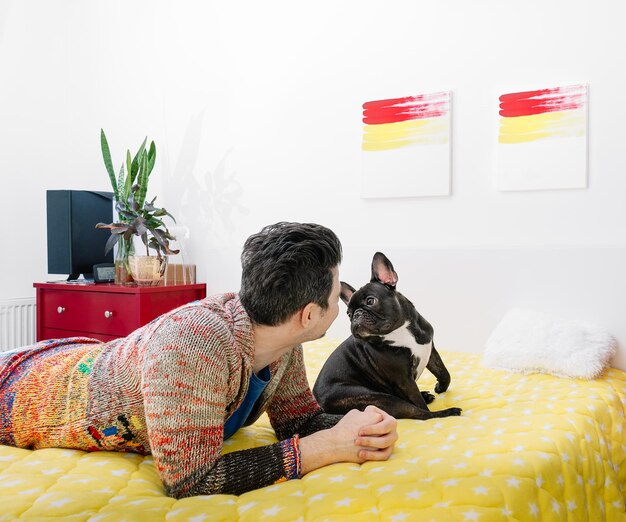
(60, 309)
(108, 314)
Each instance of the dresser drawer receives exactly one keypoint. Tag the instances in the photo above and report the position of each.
(105, 313)
(51, 333)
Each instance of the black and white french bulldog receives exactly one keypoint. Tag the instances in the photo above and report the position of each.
(390, 345)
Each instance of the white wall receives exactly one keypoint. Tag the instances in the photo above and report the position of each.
(256, 107)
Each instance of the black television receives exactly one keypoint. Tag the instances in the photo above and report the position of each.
(74, 242)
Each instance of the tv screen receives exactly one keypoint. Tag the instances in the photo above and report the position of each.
(74, 244)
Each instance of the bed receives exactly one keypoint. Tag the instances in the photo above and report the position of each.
(527, 447)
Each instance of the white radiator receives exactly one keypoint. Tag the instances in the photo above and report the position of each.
(18, 323)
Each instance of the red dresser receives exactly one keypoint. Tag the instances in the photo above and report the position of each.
(105, 311)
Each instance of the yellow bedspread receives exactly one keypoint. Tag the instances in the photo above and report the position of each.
(532, 447)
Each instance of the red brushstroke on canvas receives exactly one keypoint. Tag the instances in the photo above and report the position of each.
(545, 100)
(403, 109)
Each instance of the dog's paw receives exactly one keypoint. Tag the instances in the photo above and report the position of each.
(440, 388)
(448, 412)
(428, 397)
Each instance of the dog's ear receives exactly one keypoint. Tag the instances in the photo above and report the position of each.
(346, 292)
(382, 270)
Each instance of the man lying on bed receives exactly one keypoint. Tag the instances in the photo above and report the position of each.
(181, 385)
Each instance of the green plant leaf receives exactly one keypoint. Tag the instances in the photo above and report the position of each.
(129, 181)
(106, 156)
(162, 241)
(115, 228)
(120, 185)
(150, 206)
(137, 159)
(142, 182)
(127, 214)
(170, 215)
(132, 205)
(113, 239)
(139, 226)
(151, 157)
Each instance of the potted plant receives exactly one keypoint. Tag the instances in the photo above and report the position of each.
(136, 217)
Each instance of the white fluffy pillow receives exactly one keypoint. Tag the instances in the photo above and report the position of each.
(527, 341)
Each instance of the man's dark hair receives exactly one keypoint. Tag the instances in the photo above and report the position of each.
(285, 267)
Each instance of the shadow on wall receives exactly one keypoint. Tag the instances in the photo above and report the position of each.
(204, 203)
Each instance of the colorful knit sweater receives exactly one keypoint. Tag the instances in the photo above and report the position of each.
(166, 389)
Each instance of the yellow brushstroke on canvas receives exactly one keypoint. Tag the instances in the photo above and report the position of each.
(561, 124)
(395, 135)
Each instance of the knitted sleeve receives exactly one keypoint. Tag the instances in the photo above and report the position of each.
(293, 408)
(185, 380)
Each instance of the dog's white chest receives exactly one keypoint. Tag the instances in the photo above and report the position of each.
(403, 337)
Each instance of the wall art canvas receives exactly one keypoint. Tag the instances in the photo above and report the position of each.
(406, 146)
(542, 139)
